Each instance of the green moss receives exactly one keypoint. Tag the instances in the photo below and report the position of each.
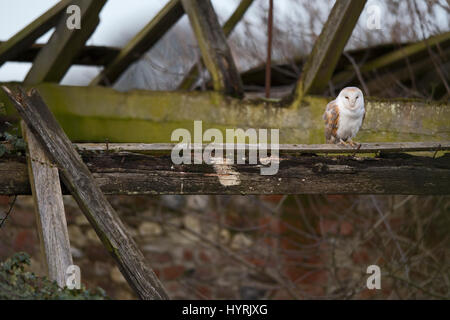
(100, 114)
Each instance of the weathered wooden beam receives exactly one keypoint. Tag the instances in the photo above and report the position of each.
(51, 64)
(141, 43)
(138, 169)
(46, 189)
(394, 56)
(55, 59)
(192, 76)
(100, 114)
(328, 48)
(79, 180)
(391, 78)
(216, 53)
(26, 37)
(90, 55)
(284, 148)
(49, 211)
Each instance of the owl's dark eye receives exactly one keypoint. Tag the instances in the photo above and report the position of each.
(346, 98)
(357, 97)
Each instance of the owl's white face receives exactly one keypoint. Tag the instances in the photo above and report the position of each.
(351, 98)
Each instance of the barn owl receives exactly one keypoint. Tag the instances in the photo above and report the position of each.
(344, 116)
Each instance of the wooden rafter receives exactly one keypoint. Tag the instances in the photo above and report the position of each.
(55, 59)
(141, 43)
(328, 48)
(26, 37)
(192, 76)
(394, 56)
(90, 55)
(214, 48)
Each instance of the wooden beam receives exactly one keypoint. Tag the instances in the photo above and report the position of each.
(284, 148)
(26, 37)
(391, 77)
(49, 210)
(79, 180)
(192, 76)
(141, 43)
(57, 56)
(100, 114)
(51, 64)
(213, 46)
(135, 169)
(328, 48)
(394, 56)
(89, 56)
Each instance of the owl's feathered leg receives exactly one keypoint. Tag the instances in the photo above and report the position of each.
(343, 143)
(354, 144)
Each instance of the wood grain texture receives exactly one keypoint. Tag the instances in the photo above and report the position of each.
(284, 148)
(26, 37)
(79, 180)
(329, 46)
(216, 53)
(192, 76)
(136, 169)
(49, 210)
(56, 57)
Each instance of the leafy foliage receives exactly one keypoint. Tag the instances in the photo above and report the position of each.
(11, 143)
(17, 283)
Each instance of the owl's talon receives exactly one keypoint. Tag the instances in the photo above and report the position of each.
(343, 143)
(355, 144)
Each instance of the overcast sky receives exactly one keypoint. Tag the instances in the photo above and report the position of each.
(120, 20)
(16, 14)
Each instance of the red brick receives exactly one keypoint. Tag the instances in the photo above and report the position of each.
(25, 241)
(346, 228)
(188, 255)
(328, 226)
(172, 272)
(22, 218)
(203, 292)
(160, 257)
(4, 201)
(360, 256)
(204, 257)
(203, 273)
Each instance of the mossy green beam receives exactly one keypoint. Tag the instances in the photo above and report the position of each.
(55, 59)
(104, 114)
(26, 37)
(228, 28)
(141, 43)
(213, 46)
(328, 47)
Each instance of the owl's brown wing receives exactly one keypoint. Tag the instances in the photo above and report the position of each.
(331, 117)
